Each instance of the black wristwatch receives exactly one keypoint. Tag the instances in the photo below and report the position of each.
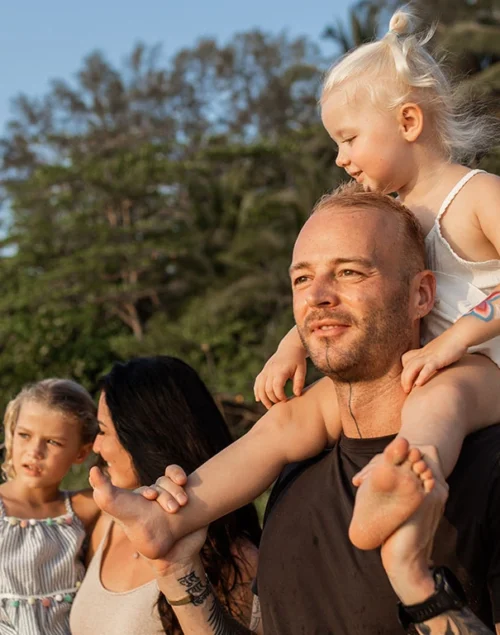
(448, 596)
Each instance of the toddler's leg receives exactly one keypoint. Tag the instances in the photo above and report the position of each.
(436, 418)
(457, 401)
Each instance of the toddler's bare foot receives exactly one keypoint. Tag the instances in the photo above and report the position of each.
(391, 489)
(144, 522)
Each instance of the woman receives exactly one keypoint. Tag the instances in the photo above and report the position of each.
(154, 412)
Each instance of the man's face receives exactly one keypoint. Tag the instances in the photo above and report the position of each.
(351, 304)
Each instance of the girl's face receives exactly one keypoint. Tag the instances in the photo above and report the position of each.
(45, 445)
(371, 146)
(120, 466)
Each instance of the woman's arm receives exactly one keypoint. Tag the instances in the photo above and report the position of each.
(204, 613)
(181, 578)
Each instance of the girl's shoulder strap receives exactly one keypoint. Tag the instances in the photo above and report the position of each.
(458, 186)
(3, 513)
(67, 503)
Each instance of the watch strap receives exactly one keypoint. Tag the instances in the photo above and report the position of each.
(448, 596)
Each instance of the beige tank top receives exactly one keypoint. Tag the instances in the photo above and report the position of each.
(97, 611)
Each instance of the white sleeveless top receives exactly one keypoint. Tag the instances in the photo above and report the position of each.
(461, 284)
(40, 571)
(98, 611)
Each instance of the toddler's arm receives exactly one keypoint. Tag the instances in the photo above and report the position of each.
(480, 324)
(290, 431)
(289, 362)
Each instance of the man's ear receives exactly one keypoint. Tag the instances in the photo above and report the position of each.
(411, 121)
(423, 294)
(83, 453)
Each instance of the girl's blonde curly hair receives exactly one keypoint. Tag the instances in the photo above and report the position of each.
(64, 396)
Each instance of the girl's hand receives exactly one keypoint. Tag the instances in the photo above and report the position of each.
(168, 491)
(286, 363)
(421, 364)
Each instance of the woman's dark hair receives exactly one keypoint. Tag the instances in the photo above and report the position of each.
(164, 414)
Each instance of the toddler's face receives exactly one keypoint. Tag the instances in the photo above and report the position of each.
(45, 445)
(371, 148)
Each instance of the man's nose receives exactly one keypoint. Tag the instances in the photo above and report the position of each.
(323, 293)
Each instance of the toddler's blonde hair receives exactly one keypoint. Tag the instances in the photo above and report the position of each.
(64, 396)
(397, 69)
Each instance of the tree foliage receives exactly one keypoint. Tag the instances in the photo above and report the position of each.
(152, 208)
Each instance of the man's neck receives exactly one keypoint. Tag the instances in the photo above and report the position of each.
(371, 408)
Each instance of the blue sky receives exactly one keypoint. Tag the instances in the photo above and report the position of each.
(44, 40)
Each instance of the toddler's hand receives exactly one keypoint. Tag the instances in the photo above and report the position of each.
(168, 490)
(269, 387)
(421, 364)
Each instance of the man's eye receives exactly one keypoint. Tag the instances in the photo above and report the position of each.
(349, 273)
(56, 443)
(299, 280)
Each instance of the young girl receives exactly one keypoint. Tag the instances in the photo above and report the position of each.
(389, 108)
(49, 426)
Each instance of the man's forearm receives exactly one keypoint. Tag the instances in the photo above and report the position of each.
(204, 615)
(462, 622)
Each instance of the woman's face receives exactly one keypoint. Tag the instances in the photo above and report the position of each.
(120, 466)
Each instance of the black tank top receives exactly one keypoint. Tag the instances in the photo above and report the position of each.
(313, 581)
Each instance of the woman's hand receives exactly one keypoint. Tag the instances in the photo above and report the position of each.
(168, 491)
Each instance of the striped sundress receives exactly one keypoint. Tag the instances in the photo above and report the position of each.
(40, 572)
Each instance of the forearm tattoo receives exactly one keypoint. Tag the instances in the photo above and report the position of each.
(219, 621)
(222, 624)
(462, 622)
(256, 616)
(199, 590)
(488, 309)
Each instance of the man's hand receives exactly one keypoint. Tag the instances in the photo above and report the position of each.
(406, 555)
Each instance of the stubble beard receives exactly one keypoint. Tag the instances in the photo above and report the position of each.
(386, 335)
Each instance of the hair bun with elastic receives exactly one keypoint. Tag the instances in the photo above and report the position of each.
(401, 23)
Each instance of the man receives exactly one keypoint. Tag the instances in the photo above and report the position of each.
(360, 289)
